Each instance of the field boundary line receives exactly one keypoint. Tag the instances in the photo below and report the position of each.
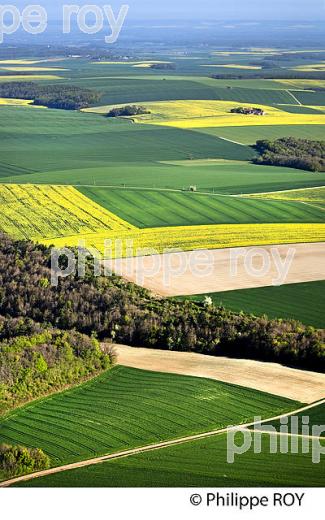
(152, 447)
(294, 97)
(282, 191)
(310, 204)
(230, 141)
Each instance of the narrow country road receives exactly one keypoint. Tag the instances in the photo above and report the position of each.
(150, 447)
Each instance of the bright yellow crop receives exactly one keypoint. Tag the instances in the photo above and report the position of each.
(15, 102)
(19, 62)
(234, 66)
(207, 114)
(315, 67)
(29, 77)
(301, 84)
(62, 216)
(41, 212)
(187, 238)
(310, 195)
(31, 69)
(133, 63)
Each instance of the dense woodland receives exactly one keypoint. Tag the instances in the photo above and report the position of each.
(18, 460)
(52, 96)
(36, 360)
(293, 153)
(121, 312)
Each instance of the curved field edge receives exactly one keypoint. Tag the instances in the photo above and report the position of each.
(304, 302)
(187, 238)
(129, 408)
(311, 423)
(200, 463)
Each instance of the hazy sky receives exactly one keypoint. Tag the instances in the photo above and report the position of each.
(203, 9)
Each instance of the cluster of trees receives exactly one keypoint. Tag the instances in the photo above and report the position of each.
(128, 110)
(118, 311)
(293, 153)
(248, 111)
(163, 66)
(36, 359)
(18, 460)
(65, 97)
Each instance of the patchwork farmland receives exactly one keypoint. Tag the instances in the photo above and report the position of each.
(178, 176)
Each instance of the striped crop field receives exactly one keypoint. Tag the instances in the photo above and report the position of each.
(187, 238)
(314, 197)
(126, 408)
(250, 134)
(63, 216)
(316, 418)
(304, 302)
(201, 463)
(38, 212)
(146, 208)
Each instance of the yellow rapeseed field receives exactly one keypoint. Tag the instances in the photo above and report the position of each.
(133, 63)
(15, 102)
(315, 67)
(309, 195)
(19, 62)
(301, 84)
(209, 113)
(32, 69)
(62, 216)
(41, 212)
(30, 62)
(234, 66)
(30, 77)
(187, 238)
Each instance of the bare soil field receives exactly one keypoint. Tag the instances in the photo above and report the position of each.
(300, 385)
(199, 272)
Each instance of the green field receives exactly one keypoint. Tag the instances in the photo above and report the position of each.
(197, 464)
(120, 90)
(232, 178)
(316, 417)
(72, 140)
(142, 174)
(251, 134)
(166, 208)
(304, 302)
(126, 408)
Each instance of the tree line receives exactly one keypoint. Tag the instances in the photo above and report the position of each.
(64, 97)
(19, 460)
(121, 312)
(293, 153)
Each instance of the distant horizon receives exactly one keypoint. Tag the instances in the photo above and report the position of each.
(232, 10)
